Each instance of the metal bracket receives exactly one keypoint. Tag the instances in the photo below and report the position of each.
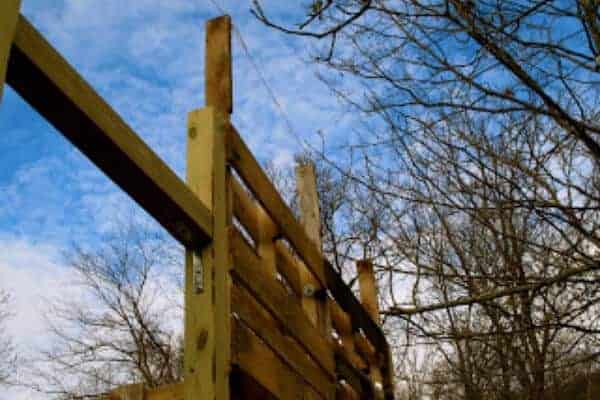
(197, 273)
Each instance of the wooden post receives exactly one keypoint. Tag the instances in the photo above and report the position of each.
(369, 299)
(317, 309)
(9, 17)
(207, 280)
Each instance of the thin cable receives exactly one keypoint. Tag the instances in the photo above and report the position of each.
(264, 82)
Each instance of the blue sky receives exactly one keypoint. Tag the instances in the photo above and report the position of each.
(145, 57)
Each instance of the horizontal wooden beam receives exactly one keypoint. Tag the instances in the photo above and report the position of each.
(51, 86)
(9, 16)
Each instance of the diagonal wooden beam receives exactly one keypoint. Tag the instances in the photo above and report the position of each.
(51, 86)
(9, 15)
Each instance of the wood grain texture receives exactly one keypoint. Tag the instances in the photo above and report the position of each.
(256, 359)
(9, 16)
(218, 71)
(255, 178)
(264, 326)
(368, 288)
(200, 313)
(370, 300)
(285, 308)
(51, 86)
(207, 322)
(310, 217)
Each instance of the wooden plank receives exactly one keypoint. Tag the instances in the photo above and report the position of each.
(368, 288)
(255, 178)
(359, 382)
(133, 391)
(207, 281)
(267, 231)
(362, 320)
(343, 325)
(199, 328)
(369, 299)
(50, 85)
(264, 326)
(245, 209)
(245, 387)
(255, 358)
(9, 15)
(289, 267)
(218, 71)
(285, 308)
(345, 392)
(310, 215)
(166, 392)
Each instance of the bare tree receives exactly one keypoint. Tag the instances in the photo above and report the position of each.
(8, 356)
(120, 325)
(480, 169)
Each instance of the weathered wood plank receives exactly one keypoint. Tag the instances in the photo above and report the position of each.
(199, 326)
(359, 382)
(343, 325)
(368, 288)
(345, 392)
(289, 267)
(207, 281)
(285, 308)
(310, 216)
(166, 392)
(263, 325)
(255, 178)
(245, 210)
(9, 16)
(256, 359)
(50, 85)
(218, 71)
(369, 298)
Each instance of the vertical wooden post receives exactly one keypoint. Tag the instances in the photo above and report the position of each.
(9, 17)
(207, 279)
(306, 182)
(369, 299)
(368, 288)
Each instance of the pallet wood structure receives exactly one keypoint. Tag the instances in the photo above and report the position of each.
(266, 315)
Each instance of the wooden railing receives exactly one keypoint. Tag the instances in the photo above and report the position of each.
(266, 315)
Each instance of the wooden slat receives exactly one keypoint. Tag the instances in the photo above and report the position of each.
(245, 210)
(343, 325)
(285, 308)
(133, 391)
(365, 349)
(354, 377)
(264, 326)
(50, 85)
(345, 392)
(255, 358)
(255, 178)
(9, 15)
(289, 267)
(166, 392)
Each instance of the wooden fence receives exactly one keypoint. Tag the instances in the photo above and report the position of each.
(266, 315)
